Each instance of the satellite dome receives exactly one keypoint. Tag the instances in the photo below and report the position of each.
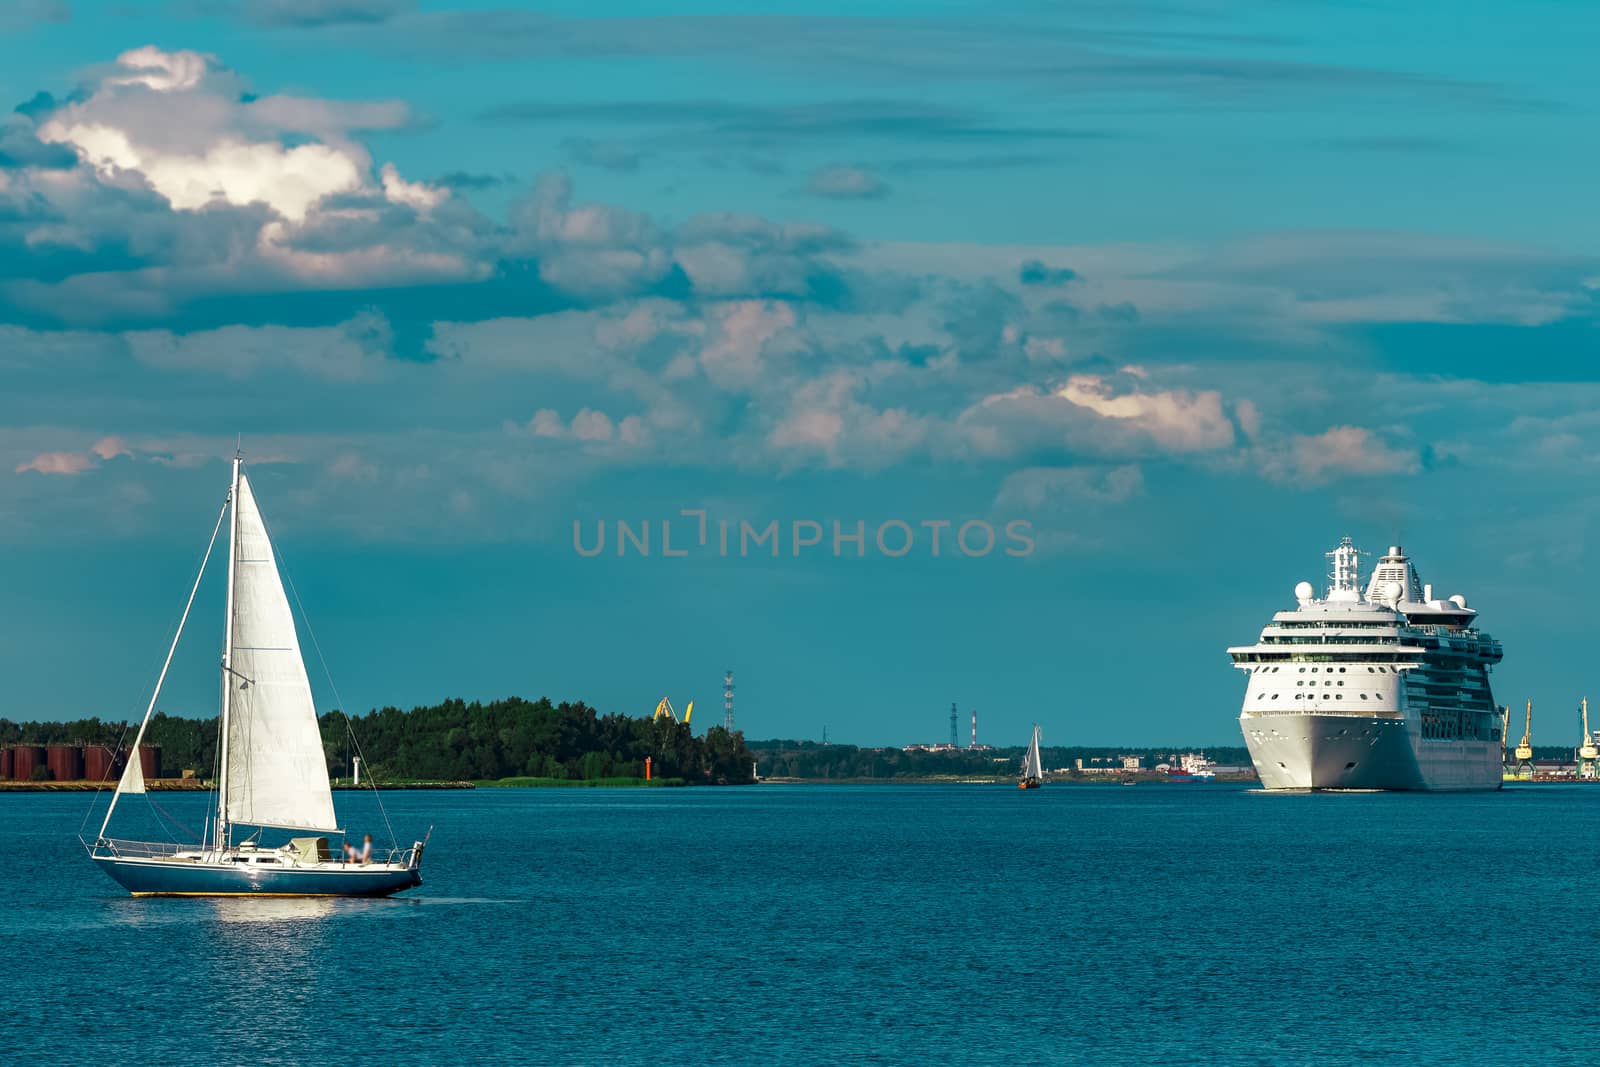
(1459, 601)
(1392, 591)
(1303, 591)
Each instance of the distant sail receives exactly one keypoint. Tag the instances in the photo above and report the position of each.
(277, 773)
(1032, 765)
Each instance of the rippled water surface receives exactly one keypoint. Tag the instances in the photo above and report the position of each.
(801, 925)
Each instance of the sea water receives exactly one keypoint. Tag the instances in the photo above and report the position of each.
(1173, 924)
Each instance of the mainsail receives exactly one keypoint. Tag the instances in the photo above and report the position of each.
(277, 774)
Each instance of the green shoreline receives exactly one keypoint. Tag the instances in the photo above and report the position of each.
(195, 785)
(579, 783)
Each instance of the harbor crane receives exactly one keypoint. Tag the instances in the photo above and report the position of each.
(1524, 751)
(1588, 754)
(1505, 730)
(664, 710)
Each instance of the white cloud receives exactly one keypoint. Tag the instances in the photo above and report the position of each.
(71, 462)
(164, 72)
(110, 448)
(423, 198)
(179, 120)
(591, 425)
(58, 463)
(1178, 419)
(546, 422)
(824, 420)
(1249, 417)
(1342, 450)
(743, 332)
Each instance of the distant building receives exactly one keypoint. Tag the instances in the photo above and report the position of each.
(1077, 765)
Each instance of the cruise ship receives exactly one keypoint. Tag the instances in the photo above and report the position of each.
(1381, 688)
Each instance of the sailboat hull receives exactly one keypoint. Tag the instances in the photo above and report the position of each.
(186, 878)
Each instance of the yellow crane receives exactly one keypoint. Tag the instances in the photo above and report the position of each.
(664, 710)
(1588, 754)
(1525, 747)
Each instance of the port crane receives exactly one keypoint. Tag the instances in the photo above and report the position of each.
(1505, 730)
(1588, 754)
(665, 710)
(1525, 747)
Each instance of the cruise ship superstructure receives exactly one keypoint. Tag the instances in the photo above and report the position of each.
(1382, 688)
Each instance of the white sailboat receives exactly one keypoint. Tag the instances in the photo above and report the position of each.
(272, 774)
(1032, 767)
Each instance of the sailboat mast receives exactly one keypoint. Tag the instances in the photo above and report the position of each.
(222, 828)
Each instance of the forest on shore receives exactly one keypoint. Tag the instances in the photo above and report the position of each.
(812, 760)
(453, 741)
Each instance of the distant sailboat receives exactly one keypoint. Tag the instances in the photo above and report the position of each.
(272, 773)
(1032, 768)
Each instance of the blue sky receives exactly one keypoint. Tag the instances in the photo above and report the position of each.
(1192, 289)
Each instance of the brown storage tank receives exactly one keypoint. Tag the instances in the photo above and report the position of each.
(25, 760)
(97, 763)
(65, 762)
(6, 763)
(150, 761)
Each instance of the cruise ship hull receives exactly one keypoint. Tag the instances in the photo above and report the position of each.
(1306, 752)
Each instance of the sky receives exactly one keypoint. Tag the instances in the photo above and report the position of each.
(1164, 298)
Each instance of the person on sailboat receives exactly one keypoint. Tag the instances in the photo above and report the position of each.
(365, 855)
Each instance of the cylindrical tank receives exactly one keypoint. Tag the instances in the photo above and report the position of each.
(6, 763)
(65, 762)
(97, 763)
(25, 760)
(150, 761)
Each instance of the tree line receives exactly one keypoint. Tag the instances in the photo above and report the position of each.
(809, 759)
(452, 741)
(515, 737)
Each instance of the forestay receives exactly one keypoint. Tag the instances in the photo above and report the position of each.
(277, 774)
